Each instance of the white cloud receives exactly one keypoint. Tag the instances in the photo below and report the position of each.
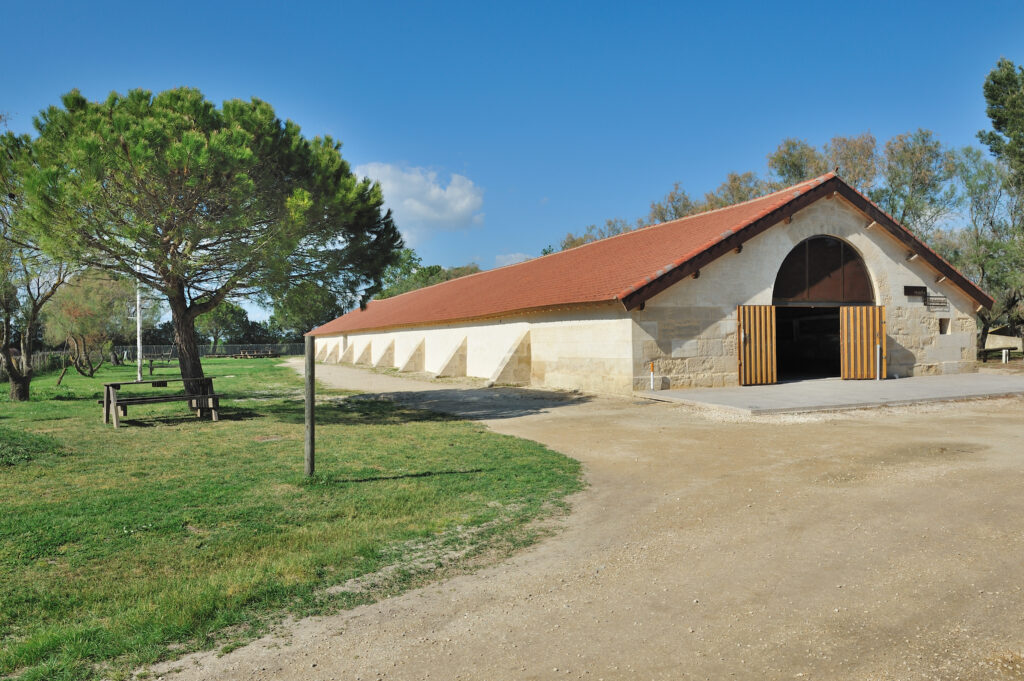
(510, 258)
(420, 201)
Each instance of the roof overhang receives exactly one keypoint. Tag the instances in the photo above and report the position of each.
(730, 241)
(610, 305)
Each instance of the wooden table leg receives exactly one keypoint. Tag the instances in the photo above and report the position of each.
(207, 384)
(113, 405)
(106, 405)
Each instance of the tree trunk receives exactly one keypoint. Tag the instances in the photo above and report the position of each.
(14, 375)
(19, 387)
(983, 336)
(188, 346)
(19, 371)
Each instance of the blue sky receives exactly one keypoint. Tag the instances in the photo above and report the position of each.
(496, 129)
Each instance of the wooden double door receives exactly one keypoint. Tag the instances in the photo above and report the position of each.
(862, 345)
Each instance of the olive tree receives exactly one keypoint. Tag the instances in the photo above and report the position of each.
(90, 314)
(28, 277)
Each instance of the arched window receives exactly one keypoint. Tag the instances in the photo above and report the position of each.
(823, 269)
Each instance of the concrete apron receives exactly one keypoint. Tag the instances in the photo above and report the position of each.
(834, 394)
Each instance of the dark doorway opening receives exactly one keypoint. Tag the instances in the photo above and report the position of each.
(807, 342)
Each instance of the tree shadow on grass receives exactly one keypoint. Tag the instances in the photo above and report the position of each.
(395, 408)
(229, 414)
(62, 397)
(430, 405)
(355, 411)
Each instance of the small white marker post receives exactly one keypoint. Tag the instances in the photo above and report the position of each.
(1006, 355)
(310, 407)
(652, 375)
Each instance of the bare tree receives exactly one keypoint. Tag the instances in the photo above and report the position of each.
(28, 278)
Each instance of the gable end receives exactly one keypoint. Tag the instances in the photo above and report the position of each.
(635, 296)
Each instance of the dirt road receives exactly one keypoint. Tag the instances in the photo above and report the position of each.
(885, 544)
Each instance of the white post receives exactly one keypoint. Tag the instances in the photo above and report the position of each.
(1006, 355)
(652, 375)
(138, 331)
(878, 361)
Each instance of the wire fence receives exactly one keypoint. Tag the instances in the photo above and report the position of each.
(52, 360)
(41, 362)
(127, 352)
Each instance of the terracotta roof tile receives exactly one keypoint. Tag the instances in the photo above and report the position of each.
(600, 271)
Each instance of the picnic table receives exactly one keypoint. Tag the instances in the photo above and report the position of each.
(116, 404)
(255, 355)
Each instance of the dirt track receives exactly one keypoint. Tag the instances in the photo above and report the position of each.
(884, 544)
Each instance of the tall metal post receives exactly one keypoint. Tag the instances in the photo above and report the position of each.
(138, 331)
(310, 406)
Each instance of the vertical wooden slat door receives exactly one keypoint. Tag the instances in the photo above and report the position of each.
(755, 331)
(861, 332)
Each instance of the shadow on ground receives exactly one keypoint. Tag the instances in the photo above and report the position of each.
(224, 414)
(485, 403)
(320, 479)
(371, 410)
(392, 408)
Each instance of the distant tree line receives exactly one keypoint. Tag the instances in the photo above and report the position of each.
(409, 273)
(912, 178)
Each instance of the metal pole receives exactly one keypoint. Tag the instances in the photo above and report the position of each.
(310, 402)
(138, 331)
(878, 361)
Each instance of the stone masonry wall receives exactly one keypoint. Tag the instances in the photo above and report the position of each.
(689, 330)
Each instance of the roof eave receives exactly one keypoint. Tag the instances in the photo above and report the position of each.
(632, 299)
(637, 295)
(905, 236)
(518, 312)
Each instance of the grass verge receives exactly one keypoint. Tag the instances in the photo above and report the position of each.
(123, 548)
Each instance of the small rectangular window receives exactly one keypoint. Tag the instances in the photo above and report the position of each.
(915, 291)
(944, 326)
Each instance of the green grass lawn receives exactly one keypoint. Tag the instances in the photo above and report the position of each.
(120, 548)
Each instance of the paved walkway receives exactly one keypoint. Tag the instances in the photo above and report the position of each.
(832, 394)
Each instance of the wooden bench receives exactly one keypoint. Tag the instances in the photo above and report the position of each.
(117, 405)
(163, 358)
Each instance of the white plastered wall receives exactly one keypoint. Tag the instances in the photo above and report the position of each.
(587, 348)
(331, 349)
(689, 330)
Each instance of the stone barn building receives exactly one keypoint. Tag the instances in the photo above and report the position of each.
(811, 281)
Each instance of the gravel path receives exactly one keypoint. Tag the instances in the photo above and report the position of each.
(882, 544)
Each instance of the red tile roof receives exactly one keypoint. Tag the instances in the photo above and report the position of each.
(608, 270)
